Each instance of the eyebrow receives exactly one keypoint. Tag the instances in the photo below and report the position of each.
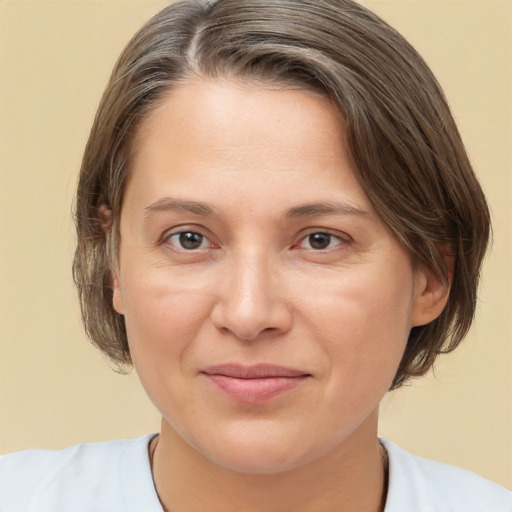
(305, 210)
(168, 204)
(329, 208)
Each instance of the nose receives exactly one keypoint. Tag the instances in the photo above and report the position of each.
(250, 300)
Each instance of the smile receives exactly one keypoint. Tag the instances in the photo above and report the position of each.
(254, 384)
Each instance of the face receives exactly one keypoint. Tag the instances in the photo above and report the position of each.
(267, 306)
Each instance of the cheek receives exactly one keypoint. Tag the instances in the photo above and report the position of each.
(362, 300)
(163, 318)
(163, 324)
(364, 322)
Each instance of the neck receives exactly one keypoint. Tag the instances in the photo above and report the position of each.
(350, 477)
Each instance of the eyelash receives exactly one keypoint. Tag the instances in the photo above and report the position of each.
(177, 235)
(342, 240)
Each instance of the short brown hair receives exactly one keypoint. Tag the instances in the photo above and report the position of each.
(407, 152)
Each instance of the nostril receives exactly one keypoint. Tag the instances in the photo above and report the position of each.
(251, 316)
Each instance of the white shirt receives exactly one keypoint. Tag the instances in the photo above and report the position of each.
(115, 476)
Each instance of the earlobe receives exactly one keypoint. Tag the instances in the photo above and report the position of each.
(117, 299)
(105, 216)
(430, 297)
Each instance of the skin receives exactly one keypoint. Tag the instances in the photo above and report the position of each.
(258, 290)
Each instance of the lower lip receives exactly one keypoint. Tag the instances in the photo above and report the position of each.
(253, 391)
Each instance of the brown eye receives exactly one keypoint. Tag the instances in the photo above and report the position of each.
(188, 240)
(319, 240)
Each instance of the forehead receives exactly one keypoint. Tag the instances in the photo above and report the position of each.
(209, 108)
(218, 137)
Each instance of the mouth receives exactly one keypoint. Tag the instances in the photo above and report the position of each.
(256, 383)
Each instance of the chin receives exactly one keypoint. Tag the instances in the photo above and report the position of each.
(261, 451)
(259, 461)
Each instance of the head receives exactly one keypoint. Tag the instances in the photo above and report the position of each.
(401, 139)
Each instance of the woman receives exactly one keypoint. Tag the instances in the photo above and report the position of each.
(277, 223)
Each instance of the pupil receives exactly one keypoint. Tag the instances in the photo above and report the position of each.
(191, 240)
(319, 240)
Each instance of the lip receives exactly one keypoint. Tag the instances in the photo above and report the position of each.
(255, 383)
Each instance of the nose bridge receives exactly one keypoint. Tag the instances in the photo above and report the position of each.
(251, 280)
(251, 301)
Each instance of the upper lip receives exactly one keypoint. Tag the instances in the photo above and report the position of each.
(255, 371)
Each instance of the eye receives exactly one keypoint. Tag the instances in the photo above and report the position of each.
(320, 241)
(188, 241)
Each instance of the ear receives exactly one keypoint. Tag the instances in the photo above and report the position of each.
(117, 297)
(430, 295)
(105, 216)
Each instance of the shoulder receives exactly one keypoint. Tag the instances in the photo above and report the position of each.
(423, 485)
(90, 476)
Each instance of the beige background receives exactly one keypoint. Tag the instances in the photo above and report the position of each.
(55, 389)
